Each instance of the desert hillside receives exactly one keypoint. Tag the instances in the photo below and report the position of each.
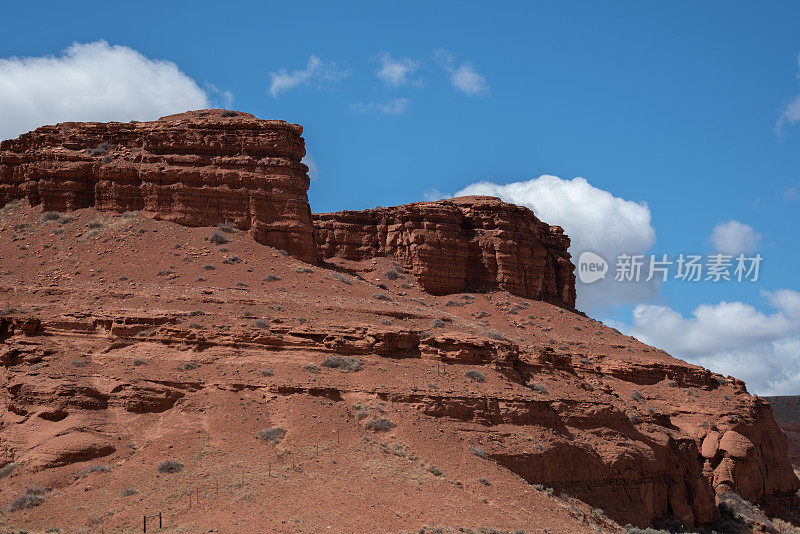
(182, 337)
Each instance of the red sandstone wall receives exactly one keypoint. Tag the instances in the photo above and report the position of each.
(198, 168)
(458, 244)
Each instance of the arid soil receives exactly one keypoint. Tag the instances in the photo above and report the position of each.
(152, 367)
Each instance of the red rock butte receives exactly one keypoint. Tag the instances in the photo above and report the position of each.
(359, 371)
(202, 168)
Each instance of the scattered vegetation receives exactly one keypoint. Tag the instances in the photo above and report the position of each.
(435, 470)
(303, 270)
(379, 424)
(477, 376)
(7, 469)
(127, 492)
(479, 452)
(188, 366)
(343, 363)
(311, 368)
(170, 466)
(272, 435)
(392, 274)
(495, 335)
(537, 387)
(261, 323)
(266, 372)
(635, 395)
(484, 481)
(227, 227)
(342, 278)
(218, 239)
(99, 150)
(438, 323)
(271, 278)
(382, 296)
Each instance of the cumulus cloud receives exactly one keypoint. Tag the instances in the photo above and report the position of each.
(91, 82)
(396, 72)
(732, 338)
(316, 71)
(596, 221)
(732, 237)
(395, 106)
(462, 76)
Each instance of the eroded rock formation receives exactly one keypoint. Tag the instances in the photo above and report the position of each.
(458, 244)
(198, 168)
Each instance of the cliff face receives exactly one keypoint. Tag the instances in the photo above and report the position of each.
(458, 244)
(198, 168)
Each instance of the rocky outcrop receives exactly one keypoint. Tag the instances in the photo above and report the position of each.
(199, 168)
(458, 244)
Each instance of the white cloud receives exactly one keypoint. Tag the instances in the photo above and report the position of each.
(91, 82)
(313, 170)
(792, 194)
(733, 338)
(463, 76)
(396, 106)
(316, 71)
(791, 111)
(595, 220)
(396, 72)
(732, 237)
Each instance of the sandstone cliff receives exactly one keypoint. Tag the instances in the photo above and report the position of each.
(466, 243)
(198, 168)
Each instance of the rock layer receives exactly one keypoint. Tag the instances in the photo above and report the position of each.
(199, 168)
(458, 244)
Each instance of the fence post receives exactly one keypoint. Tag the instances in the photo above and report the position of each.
(159, 519)
(144, 523)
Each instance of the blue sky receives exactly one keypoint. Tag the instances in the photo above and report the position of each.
(674, 105)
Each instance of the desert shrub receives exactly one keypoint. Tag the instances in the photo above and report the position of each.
(343, 363)
(227, 227)
(424, 334)
(95, 469)
(261, 323)
(435, 471)
(7, 469)
(230, 260)
(479, 452)
(139, 361)
(379, 424)
(635, 395)
(266, 372)
(311, 368)
(438, 323)
(477, 376)
(228, 113)
(539, 388)
(196, 313)
(35, 490)
(26, 501)
(484, 481)
(382, 296)
(208, 267)
(9, 310)
(195, 325)
(188, 366)
(634, 417)
(272, 435)
(79, 362)
(303, 270)
(495, 335)
(50, 216)
(218, 239)
(99, 150)
(165, 272)
(127, 492)
(387, 321)
(271, 278)
(392, 274)
(170, 466)
(453, 303)
(342, 278)
(282, 252)
(419, 301)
